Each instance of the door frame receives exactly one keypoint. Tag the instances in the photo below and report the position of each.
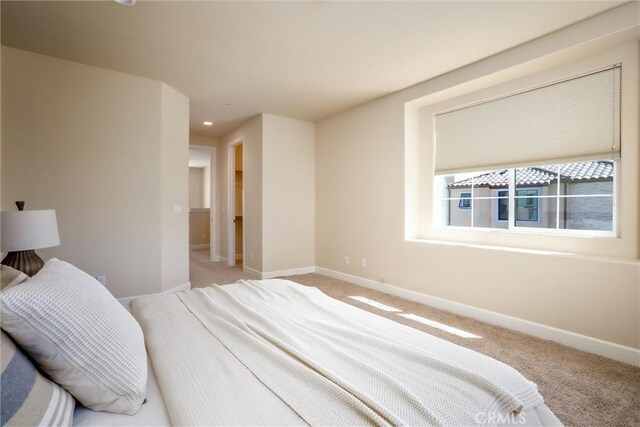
(213, 199)
(231, 204)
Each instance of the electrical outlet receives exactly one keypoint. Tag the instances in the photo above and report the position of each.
(364, 263)
(346, 260)
(102, 279)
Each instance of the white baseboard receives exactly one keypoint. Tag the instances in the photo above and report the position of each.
(289, 272)
(199, 246)
(581, 342)
(184, 287)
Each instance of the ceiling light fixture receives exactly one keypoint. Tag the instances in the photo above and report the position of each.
(126, 2)
(207, 123)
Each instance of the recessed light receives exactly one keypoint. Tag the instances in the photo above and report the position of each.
(207, 123)
(126, 2)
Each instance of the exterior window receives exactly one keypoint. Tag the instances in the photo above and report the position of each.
(465, 201)
(568, 198)
(527, 205)
(503, 205)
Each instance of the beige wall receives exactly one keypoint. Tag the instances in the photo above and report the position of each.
(196, 189)
(199, 227)
(206, 171)
(361, 168)
(88, 142)
(289, 196)
(279, 192)
(174, 179)
(208, 141)
(250, 134)
(1, 61)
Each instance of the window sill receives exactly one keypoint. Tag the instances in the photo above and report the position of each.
(628, 261)
(528, 231)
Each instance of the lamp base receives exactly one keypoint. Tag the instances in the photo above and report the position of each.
(26, 261)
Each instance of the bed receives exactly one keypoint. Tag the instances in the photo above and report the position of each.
(274, 352)
(152, 413)
(270, 352)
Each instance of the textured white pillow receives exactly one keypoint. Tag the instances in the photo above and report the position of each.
(80, 335)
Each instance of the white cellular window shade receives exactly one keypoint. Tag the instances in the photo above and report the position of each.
(573, 119)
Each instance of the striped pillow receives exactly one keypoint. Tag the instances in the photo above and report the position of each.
(26, 397)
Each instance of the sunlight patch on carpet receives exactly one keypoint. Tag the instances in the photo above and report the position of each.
(438, 325)
(376, 304)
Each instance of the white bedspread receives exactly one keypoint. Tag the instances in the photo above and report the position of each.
(300, 357)
(152, 413)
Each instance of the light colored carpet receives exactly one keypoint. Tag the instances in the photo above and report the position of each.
(582, 389)
(203, 272)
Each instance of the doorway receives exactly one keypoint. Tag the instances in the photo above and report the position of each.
(202, 200)
(236, 230)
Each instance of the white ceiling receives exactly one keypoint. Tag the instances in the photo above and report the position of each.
(306, 60)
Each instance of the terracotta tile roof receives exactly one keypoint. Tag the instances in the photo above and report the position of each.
(543, 175)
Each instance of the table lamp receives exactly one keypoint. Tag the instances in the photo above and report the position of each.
(22, 233)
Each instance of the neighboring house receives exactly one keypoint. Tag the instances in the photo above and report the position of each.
(539, 200)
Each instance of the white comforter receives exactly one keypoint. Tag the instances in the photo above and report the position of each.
(300, 357)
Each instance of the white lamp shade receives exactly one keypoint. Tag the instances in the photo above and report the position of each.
(26, 230)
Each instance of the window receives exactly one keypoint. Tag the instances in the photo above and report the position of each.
(465, 201)
(527, 205)
(503, 205)
(569, 197)
(546, 128)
